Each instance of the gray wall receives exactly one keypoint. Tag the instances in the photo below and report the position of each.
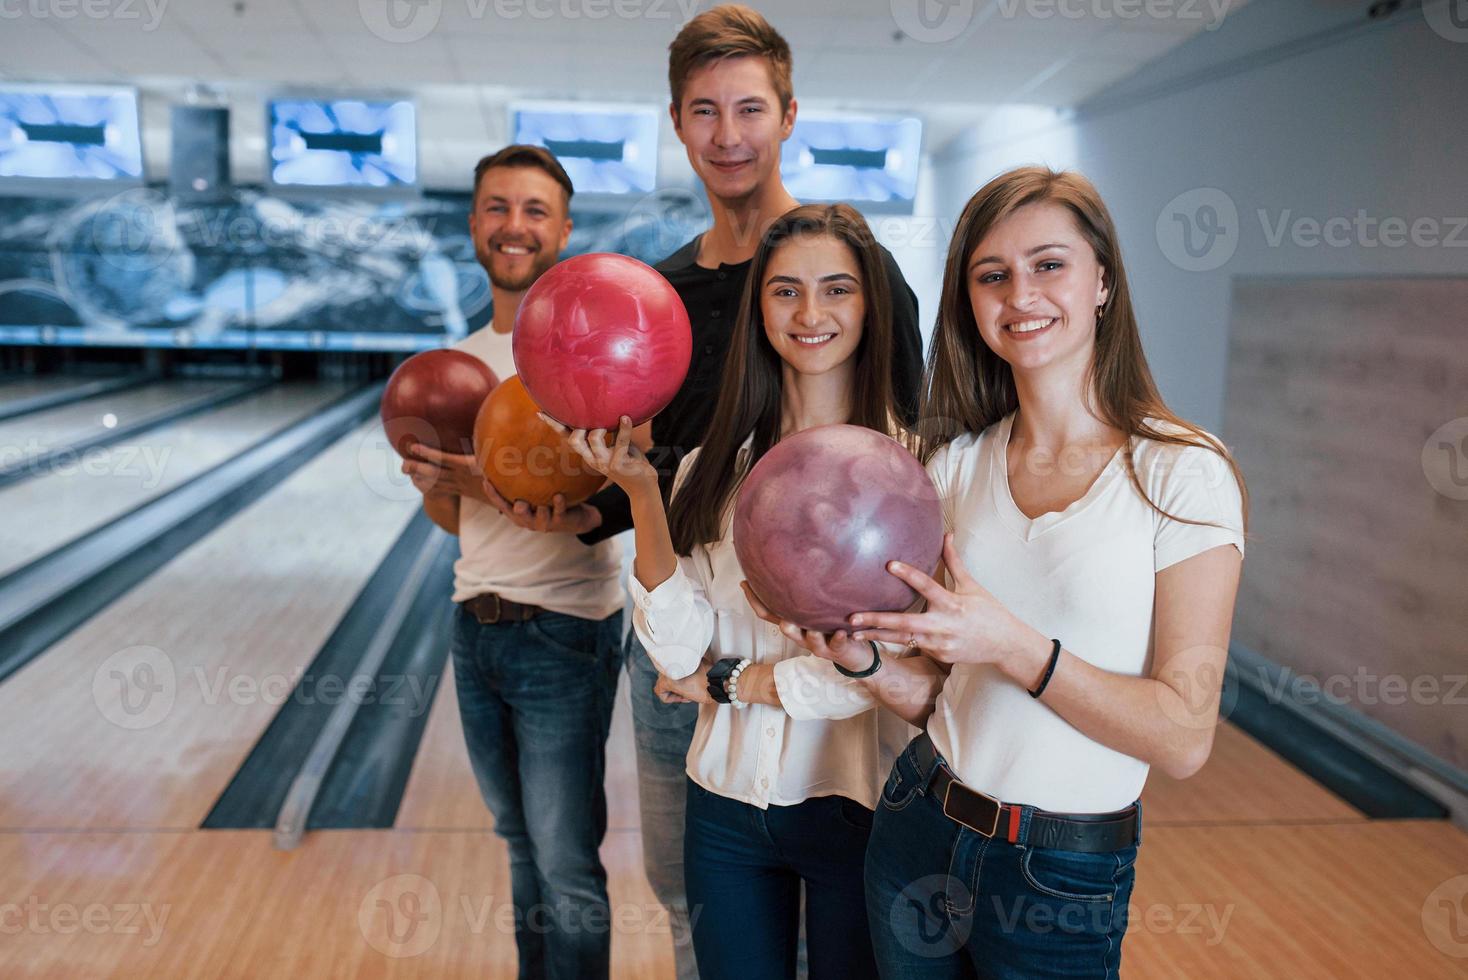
(1369, 119)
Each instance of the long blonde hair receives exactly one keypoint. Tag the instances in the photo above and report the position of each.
(967, 387)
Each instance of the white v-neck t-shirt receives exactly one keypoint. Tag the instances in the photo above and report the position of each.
(1084, 575)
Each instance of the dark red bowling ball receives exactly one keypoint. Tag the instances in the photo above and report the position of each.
(820, 516)
(600, 336)
(433, 398)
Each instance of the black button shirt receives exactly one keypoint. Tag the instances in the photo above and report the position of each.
(712, 297)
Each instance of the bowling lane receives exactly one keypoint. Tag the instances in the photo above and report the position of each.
(1243, 782)
(81, 495)
(17, 388)
(27, 435)
(141, 717)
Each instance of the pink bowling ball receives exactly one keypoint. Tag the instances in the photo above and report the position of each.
(820, 516)
(600, 336)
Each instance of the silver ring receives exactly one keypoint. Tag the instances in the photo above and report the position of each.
(912, 641)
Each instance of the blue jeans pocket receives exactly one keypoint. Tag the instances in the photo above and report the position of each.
(1071, 876)
(902, 783)
(569, 635)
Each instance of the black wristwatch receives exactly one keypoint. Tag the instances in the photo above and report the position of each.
(876, 664)
(717, 675)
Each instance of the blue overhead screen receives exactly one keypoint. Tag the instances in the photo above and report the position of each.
(343, 143)
(606, 149)
(865, 160)
(70, 133)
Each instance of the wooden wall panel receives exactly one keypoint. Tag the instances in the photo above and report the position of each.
(1357, 567)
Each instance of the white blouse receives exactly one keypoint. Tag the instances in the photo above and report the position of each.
(827, 740)
(1085, 576)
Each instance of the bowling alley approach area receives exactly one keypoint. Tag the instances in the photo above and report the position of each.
(661, 490)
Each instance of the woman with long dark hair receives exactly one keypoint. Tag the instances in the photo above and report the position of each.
(788, 756)
(1081, 630)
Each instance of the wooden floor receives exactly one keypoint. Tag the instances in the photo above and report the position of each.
(1302, 889)
(1247, 870)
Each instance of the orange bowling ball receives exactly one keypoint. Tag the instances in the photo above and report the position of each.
(522, 457)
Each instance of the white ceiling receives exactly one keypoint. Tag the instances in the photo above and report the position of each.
(476, 55)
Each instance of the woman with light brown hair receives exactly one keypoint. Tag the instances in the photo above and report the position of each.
(1081, 628)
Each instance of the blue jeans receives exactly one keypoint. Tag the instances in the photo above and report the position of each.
(945, 901)
(662, 733)
(536, 700)
(745, 869)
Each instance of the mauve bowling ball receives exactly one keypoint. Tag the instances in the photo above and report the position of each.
(821, 515)
(600, 336)
(524, 458)
(433, 398)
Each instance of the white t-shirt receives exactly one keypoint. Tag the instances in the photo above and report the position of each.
(827, 740)
(1085, 576)
(555, 571)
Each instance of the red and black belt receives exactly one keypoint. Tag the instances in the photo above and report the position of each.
(1092, 833)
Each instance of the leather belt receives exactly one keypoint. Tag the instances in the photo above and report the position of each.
(1091, 833)
(490, 608)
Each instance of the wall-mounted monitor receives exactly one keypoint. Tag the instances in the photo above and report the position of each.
(342, 143)
(68, 135)
(606, 149)
(868, 161)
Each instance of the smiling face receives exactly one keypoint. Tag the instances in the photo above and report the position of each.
(731, 124)
(519, 225)
(1034, 283)
(813, 303)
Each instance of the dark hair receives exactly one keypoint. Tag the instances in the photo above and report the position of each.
(752, 388)
(525, 155)
(729, 30)
(968, 387)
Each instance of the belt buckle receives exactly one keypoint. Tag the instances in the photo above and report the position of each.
(993, 825)
(499, 611)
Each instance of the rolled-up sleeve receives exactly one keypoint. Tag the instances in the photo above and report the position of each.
(674, 621)
(811, 687)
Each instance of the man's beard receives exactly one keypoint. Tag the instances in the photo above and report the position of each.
(540, 262)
